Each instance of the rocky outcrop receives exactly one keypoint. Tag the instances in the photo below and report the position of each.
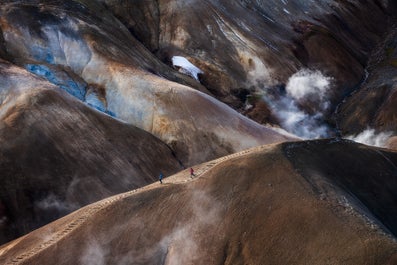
(250, 208)
(58, 154)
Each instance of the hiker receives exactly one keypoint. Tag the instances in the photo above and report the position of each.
(161, 178)
(192, 173)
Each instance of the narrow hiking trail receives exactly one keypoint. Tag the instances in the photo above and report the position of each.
(88, 211)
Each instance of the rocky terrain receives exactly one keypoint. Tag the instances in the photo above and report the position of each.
(98, 97)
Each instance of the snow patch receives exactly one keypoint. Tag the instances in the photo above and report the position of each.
(186, 67)
(371, 137)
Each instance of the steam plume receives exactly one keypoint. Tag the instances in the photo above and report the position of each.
(305, 85)
(371, 137)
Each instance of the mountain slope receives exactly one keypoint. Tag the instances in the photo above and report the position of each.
(57, 154)
(85, 39)
(249, 47)
(373, 104)
(248, 208)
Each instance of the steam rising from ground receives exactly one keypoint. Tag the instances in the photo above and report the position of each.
(304, 86)
(307, 83)
(182, 248)
(313, 87)
(52, 202)
(371, 137)
(177, 247)
(94, 254)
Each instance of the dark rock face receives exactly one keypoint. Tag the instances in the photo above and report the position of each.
(142, 18)
(374, 103)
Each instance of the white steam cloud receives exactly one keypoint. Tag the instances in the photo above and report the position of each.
(177, 247)
(371, 137)
(182, 248)
(94, 254)
(305, 85)
(52, 202)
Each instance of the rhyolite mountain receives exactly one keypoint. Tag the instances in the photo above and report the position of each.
(68, 159)
(90, 42)
(278, 204)
(57, 154)
(374, 104)
(244, 47)
(94, 103)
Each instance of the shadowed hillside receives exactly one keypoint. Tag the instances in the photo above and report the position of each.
(249, 208)
(373, 105)
(57, 154)
(249, 47)
(370, 187)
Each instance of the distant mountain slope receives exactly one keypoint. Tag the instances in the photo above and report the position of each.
(270, 205)
(373, 104)
(57, 154)
(249, 47)
(57, 38)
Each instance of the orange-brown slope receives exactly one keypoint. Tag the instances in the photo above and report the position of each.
(248, 208)
(57, 154)
(55, 38)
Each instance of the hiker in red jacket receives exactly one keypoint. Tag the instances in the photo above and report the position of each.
(192, 173)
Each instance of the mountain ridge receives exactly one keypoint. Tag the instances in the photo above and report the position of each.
(202, 199)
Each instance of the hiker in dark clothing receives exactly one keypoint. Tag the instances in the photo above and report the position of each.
(192, 173)
(161, 178)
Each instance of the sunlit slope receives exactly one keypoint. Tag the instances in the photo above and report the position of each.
(255, 207)
(135, 86)
(57, 154)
